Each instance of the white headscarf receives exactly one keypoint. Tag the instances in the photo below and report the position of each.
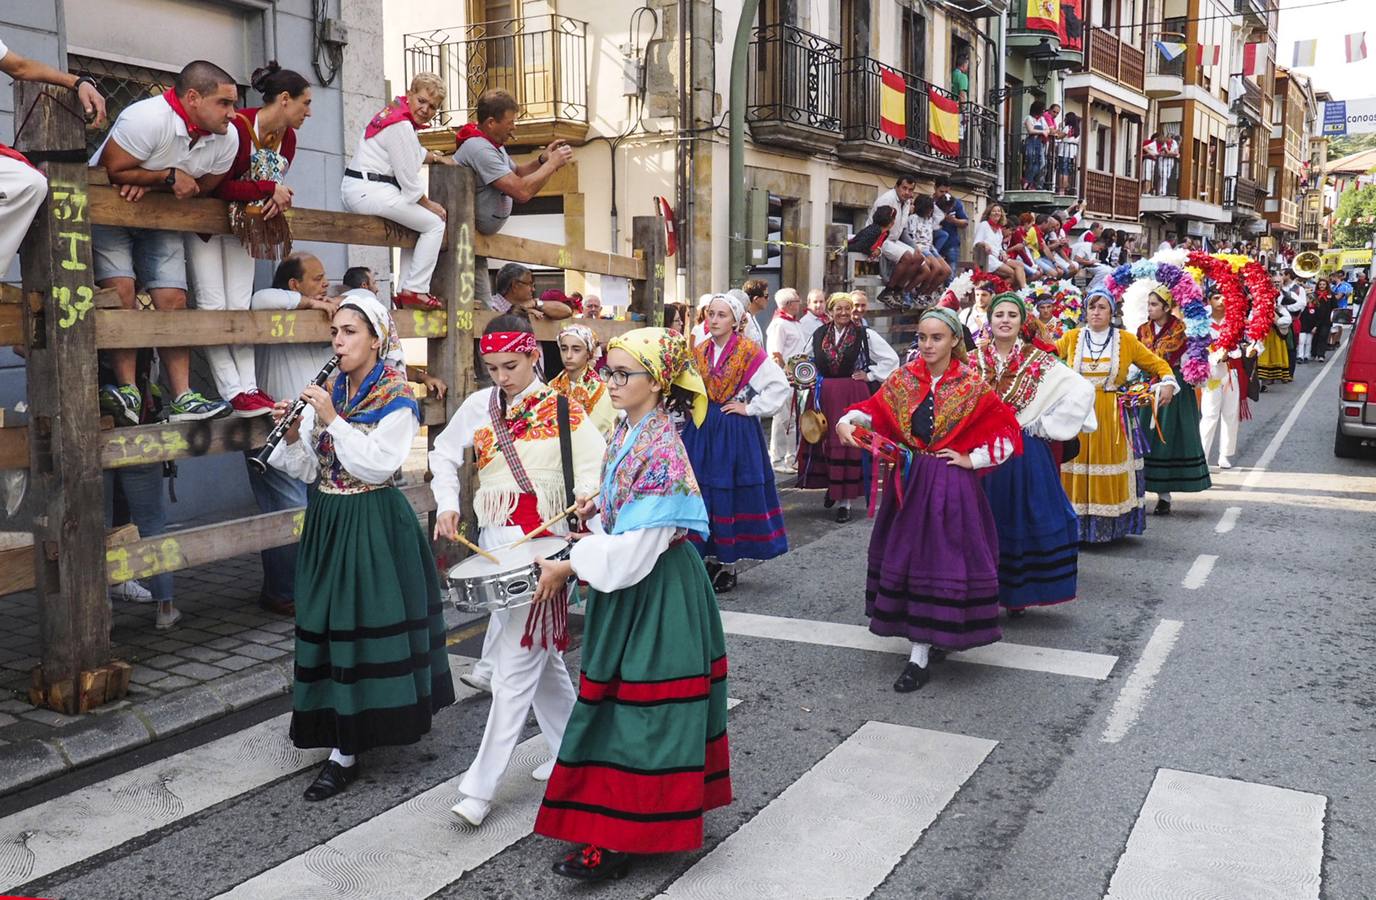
(736, 305)
(583, 333)
(380, 317)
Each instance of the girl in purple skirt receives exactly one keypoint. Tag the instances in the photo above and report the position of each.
(934, 555)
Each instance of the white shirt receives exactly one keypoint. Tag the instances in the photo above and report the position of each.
(787, 339)
(901, 211)
(3, 49)
(157, 137)
(373, 456)
(284, 370)
(395, 151)
(446, 457)
(992, 239)
(810, 324)
(1082, 251)
(771, 391)
(883, 359)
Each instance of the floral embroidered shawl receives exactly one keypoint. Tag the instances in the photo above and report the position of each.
(383, 392)
(838, 358)
(1015, 381)
(647, 481)
(967, 413)
(1168, 343)
(735, 365)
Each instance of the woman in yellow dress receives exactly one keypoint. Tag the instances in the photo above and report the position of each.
(1104, 481)
(578, 381)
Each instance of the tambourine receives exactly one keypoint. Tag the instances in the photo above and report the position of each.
(812, 425)
(801, 371)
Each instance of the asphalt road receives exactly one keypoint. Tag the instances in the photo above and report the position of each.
(1255, 667)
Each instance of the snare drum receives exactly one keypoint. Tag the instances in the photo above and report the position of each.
(478, 585)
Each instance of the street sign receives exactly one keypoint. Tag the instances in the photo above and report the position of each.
(1344, 117)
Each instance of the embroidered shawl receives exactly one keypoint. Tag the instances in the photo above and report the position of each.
(838, 358)
(1168, 343)
(589, 392)
(735, 365)
(1018, 378)
(647, 481)
(967, 413)
(383, 392)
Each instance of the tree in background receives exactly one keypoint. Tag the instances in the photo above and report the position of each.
(1359, 206)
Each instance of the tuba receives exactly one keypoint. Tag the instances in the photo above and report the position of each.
(1307, 265)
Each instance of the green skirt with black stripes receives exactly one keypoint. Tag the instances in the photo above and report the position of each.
(371, 665)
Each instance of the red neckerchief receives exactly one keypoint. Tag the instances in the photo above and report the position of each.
(470, 130)
(192, 129)
(780, 314)
(11, 153)
(396, 111)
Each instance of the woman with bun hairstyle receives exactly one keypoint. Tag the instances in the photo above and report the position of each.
(222, 265)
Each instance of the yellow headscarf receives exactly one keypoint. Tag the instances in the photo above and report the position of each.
(664, 354)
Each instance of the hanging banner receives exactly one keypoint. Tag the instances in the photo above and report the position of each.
(1044, 15)
(1072, 26)
(1344, 117)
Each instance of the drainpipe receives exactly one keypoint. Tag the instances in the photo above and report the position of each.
(1001, 78)
(735, 229)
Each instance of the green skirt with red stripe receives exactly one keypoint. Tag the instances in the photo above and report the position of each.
(645, 752)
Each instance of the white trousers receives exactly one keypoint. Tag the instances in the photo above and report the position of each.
(783, 438)
(1305, 344)
(490, 538)
(523, 677)
(377, 198)
(1218, 413)
(22, 189)
(222, 278)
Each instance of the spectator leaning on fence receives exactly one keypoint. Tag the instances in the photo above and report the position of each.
(481, 147)
(222, 264)
(22, 186)
(383, 179)
(180, 141)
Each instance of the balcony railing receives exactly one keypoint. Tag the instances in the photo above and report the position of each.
(1241, 193)
(542, 61)
(1111, 195)
(795, 79)
(1161, 176)
(1248, 102)
(1114, 59)
(861, 93)
(1032, 166)
(979, 136)
(1157, 64)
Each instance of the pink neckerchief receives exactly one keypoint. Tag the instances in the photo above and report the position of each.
(192, 129)
(396, 111)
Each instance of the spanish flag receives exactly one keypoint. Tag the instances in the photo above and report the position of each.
(1043, 15)
(893, 93)
(944, 123)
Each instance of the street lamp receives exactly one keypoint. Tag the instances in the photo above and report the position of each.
(1042, 58)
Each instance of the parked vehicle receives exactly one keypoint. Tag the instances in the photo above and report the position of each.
(1357, 411)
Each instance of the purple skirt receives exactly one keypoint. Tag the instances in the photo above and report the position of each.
(829, 463)
(934, 562)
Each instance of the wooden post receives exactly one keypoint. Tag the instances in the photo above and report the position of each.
(451, 357)
(64, 416)
(647, 243)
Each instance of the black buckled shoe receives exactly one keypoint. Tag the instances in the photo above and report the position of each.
(724, 581)
(594, 864)
(828, 503)
(913, 677)
(1163, 508)
(843, 514)
(332, 779)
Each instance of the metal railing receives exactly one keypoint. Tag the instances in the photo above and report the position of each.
(1157, 64)
(979, 136)
(861, 92)
(1241, 192)
(796, 78)
(542, 61)
(1161, 176)
(1030, 167)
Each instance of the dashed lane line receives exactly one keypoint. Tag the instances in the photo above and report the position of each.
(1199, 571)
(1133, 696)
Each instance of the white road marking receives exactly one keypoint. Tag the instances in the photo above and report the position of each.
(1201, 836)
(840, 829)
(1254, 477)
(1300, 482)
(1074, 663)
(415, 848)
(1299, 501)
(53, 835)
(1199, 571)
(1229, 519)
(1133, 697)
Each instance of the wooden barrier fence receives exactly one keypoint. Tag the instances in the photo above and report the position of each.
(62, 320)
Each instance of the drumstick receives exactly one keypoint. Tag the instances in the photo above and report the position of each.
(543, 526)
(476, 549)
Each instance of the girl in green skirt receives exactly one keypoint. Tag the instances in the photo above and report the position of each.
(645, 752)
(371, 666)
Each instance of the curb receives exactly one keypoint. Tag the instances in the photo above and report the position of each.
(26, 763)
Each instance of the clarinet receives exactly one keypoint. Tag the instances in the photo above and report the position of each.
(259, 461)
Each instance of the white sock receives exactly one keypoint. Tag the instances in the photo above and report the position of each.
(845, 504)
(1164, 495)
(344, 759)
(919, 654)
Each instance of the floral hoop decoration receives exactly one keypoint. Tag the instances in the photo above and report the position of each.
(1239, 279)
(1186, 294)
(1069, 303)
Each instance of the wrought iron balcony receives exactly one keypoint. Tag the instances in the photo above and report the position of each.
(794, 88)
(542, 61)
(979, 140)
(1165, 77)
(862, 134)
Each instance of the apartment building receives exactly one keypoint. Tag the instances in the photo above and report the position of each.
(643, 92)
(1293, 115)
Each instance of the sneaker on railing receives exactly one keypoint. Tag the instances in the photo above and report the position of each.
(404, 299)
(249, 404)
(124, 403)
(192, 407)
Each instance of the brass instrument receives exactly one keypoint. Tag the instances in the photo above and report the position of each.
(1307, 264)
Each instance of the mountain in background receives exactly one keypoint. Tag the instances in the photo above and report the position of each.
(1352, 143)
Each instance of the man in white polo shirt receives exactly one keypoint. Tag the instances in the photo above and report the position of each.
(22, 186)
(179, 142)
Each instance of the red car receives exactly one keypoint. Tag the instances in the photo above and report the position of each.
(1357, 416)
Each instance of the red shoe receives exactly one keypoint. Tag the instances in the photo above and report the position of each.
(246, 406)
(403, 299)
(262, 397)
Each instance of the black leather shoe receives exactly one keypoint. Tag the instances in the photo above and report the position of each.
(332, 779)
(1016, 613)
(843, 514)
(936, 654)
(913, 677)
(724, 581)
(594, 864)
(278, 606)
(828, 503)
(1163, 508)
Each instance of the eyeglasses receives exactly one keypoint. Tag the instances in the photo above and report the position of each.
(618, 377)
(528, 282)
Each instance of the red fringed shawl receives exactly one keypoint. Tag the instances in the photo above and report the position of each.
(967, 413)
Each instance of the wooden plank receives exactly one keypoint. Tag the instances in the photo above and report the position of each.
(647, 292)
(11, 325)
(134, 328)
(548, 329)
(14, 447)
(557, 256)
(184, 549)
(204, 215)
(64, 421)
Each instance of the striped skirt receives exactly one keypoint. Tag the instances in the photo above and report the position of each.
(829, 463)
(934, 560)
(731, 462)
(371, 664)
(645, 753)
